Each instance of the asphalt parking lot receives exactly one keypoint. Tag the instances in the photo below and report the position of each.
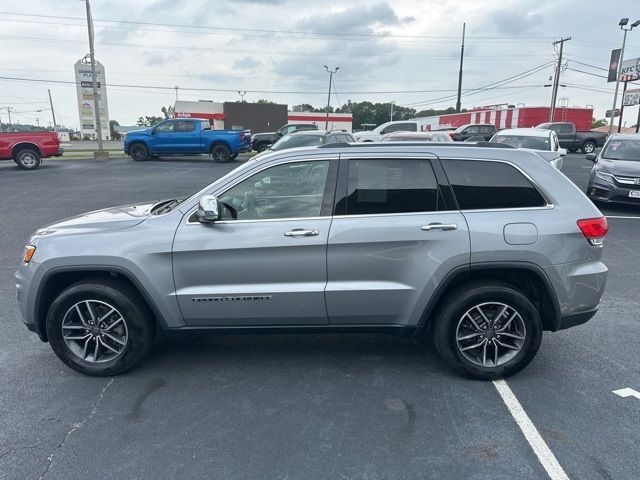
(303, 407)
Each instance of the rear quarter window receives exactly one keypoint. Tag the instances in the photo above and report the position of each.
(480, 185)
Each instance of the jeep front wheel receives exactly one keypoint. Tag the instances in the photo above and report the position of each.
(487, 330)
(99, 327)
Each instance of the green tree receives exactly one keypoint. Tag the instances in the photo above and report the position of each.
(167, 111)
(148, 121)
(598, 123)
(262, 100)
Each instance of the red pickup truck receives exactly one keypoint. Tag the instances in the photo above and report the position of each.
(28, 149)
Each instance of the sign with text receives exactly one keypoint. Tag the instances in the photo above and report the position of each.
(631, 97)
(613, 65)
(630, 70)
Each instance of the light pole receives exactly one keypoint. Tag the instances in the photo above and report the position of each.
(392, 104)
(623, 26)
(331, 72)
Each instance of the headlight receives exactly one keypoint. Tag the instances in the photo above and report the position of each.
(607, 177)
(29, 250)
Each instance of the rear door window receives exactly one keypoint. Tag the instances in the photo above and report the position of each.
(376, 186)
(480, 185)
(184, 126)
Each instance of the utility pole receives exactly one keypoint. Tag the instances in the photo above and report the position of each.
(38, 122)
(392, 104)
(624, 90)
(52, 112)
(458, 104)
(9, 113)
(176, 87)
(331, 72)
(96, 105)
(556, 78)
(242, 94)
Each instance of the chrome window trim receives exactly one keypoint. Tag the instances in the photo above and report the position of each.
(234, 222)
(254, 172)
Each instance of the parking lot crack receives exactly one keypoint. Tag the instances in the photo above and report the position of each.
(76, 426)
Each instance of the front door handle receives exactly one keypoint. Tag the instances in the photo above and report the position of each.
(439, 226)
(301, 232)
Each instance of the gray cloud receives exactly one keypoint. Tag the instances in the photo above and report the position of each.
(247, 63)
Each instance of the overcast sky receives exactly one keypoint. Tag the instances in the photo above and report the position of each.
(409, 48)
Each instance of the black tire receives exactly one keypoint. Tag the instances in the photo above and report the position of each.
(234, 156)
(459, 301)
(135, 314)
(261, 147)
(588, 147)
(139, 152)
(220, 153)
(28, 159)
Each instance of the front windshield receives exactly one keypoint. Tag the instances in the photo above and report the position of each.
(523, 141)
(628, 150)
(292, 141)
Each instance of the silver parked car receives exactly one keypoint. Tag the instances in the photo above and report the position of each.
(486, 247)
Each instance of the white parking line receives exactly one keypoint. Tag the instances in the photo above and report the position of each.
(537, 443)
(627, 392)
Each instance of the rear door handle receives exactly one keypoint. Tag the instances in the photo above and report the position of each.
(439, 226)
(301, 232)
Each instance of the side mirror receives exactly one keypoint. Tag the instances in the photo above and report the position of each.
(591, 156)
(153, 131)
(562, 152)
(208, 209)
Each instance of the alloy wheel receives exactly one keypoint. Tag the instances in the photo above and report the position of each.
(95, 331)
(490, 334)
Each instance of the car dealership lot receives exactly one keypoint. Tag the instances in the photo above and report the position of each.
(319, 406)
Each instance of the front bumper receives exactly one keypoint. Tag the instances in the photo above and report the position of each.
(602, 191)
(27, 277)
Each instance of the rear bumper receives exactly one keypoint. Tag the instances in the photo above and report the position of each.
(245, 148)
(573, 319)
(59, 152)
(579, 287)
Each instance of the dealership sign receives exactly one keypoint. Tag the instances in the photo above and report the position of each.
(630, 70)
(84, 90)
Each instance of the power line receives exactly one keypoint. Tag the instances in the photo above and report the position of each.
(491, 86)
(232, 90)
(281, 31)
(236, 51)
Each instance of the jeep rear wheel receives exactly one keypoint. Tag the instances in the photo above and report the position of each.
(99, 327)
(487, 330)
(28, 159)
(139, 152)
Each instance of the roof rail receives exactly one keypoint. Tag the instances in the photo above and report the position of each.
(416, 144)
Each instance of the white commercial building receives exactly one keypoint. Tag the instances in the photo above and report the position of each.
(84, 88)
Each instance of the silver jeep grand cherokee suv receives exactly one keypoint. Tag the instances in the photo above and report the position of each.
(484, 247)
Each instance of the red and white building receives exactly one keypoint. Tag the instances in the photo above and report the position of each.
(517, 117)
(336, 121)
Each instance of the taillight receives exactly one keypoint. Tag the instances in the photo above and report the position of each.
(242, 137)
(594, 229)
(452, 135)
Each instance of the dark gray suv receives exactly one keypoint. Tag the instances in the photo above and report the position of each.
(484, 247)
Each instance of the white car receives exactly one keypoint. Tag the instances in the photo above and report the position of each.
(544, 142)
(380, 131)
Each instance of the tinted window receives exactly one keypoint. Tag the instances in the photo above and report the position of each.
(349, 138)
(480, 185)
(401, 127)
(487, 129)
(391, 186)
(298, 140)
(523, 141)
(564, 128)
(165, 127)
(472, 130)
(291, 190)
(184, 126)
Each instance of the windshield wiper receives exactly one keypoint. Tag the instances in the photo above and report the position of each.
(165, 207)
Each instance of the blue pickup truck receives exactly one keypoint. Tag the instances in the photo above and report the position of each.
(186, 136)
